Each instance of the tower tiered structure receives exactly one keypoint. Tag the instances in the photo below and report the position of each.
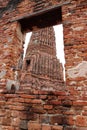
(41, 62)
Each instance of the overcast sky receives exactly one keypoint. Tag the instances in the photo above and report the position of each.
(59, 43)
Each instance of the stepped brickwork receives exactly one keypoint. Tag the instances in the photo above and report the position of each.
(32, 100)
(41, 61)
(41, 57)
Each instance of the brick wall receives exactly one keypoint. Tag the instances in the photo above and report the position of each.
(62, 110)
(74, 22)
(19, 109)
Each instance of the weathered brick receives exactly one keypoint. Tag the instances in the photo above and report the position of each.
(65, 104)
(15, 122)
(46, 127)
(68, 120)
(48, 107)
(28, 96)
(15, 113)
(55, 102)
(70, 128)
(57, 128)
(44, 118)
(81, 121)
(43, 96)
(34, 126)
(57, 119)
(80, 103)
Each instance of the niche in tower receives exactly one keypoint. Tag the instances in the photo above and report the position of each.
(28, 64)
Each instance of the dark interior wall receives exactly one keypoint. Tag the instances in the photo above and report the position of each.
(45, 19)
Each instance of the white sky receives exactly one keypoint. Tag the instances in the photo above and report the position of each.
(59, 43)
(27, 39)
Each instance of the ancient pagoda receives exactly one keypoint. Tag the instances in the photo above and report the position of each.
(41, 68)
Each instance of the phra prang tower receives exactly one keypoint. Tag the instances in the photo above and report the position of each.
(41, 68)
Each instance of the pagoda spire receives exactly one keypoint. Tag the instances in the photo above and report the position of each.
(42, 40)
(40, 60)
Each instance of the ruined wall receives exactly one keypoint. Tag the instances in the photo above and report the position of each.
(18, 110)
(75, 40)
(10, 12)
(67, 108)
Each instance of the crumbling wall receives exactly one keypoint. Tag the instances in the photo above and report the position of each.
(19, 109)
(67, 108)
(75, 39)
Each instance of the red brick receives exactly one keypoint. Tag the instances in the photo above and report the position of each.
(46, 127)
(20, 100)
(43, 96)
(68, 120)
(81, 121)
(49, 107)
(57, 128)
(8, 128)
(6, 121)
(67, 103)
(80, 128)
(16, 107)
(80, 103)
(28, 96)
(2, 112)
(15, 122)
(56, 119)
(2, 103)
(38, 109)
(27, 100)
(21, 106)
(36, 92)
(59, 93)
(34, 126)
(44, 118)
(36, 101)
(15, 113)
(70, 128)
(55, 102)
(43, 92)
